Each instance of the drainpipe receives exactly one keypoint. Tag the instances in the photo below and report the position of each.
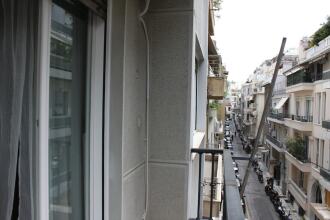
(144, 26)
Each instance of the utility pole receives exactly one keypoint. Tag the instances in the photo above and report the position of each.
(263, 117)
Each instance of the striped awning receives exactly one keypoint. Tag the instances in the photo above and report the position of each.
(281, 103)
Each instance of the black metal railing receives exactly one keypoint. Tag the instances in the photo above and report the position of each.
(232, 202)
(326, 75)
(302, 118)
(326, 124)
(274, 141)
(278, 116)
(325, 173)
(300, 76)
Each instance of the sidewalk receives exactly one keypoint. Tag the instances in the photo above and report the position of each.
(285, 200)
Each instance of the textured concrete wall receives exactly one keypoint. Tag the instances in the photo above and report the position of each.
(169, 24)
(172, 27)
(173, 174)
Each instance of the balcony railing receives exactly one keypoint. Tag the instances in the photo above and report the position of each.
(299, 77)
(326, 124)
(279, 91)
(216, 184)
(316, 50)
(302, 118)
(302, 157)
(325, 173)
(233, 209)
(274, 141)
(278, 116)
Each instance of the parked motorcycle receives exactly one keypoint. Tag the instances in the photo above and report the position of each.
(286, 216)
(260, 175)
(269, 186)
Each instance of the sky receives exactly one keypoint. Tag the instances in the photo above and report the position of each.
(250, 31)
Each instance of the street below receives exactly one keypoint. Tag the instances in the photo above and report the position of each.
(259, 206)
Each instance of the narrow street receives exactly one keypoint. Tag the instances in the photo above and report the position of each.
(259, 206)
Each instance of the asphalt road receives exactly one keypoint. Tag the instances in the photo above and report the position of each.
(259, 206)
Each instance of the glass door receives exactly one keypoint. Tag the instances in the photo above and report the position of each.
(308, 110)
(67, 112)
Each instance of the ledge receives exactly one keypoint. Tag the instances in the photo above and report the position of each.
(298, 194)
(304, 167)
(322, 211)
(275, 120)
(306, 86)
(298, 125)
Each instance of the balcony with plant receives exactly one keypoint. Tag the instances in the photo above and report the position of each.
(297, 147)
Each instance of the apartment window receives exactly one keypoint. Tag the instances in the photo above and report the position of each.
(297, 108)
(301, 179)
(319, 71)
(196, 90)
(308, 108)
(319, 108)
(306, 142)
(324, 98)
(321, 152)
(317, 152)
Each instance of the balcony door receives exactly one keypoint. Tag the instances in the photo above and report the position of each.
(74, 105)
(308, 109)
(297, 108)
(67, 113)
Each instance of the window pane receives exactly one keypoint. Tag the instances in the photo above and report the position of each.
(67, 115)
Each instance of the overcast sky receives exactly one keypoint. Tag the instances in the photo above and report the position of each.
(250, 31)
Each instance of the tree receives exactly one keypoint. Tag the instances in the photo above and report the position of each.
(321, 33)
(296, 147)
(217, 7)
(217, 4)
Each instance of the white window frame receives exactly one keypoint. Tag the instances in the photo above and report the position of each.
(96, 28)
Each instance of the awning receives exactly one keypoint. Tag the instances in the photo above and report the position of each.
(249, 98)
(281, 103)
(294, 69)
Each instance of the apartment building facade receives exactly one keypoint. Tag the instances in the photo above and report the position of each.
(100, 101)
(298, 134)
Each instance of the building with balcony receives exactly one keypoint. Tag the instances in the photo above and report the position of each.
(101, 104)
(276, 131)
(307, 90)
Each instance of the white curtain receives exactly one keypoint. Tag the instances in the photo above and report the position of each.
(18, 37)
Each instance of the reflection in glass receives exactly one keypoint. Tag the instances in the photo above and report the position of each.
(67, 115)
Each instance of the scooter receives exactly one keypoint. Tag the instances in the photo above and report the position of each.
(260, 175)
(269, 186)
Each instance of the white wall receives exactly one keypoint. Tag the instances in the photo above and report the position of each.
(172, 174)
(171, 67)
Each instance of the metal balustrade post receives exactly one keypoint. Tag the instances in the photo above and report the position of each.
(201, 152)
(199, 214)
(212, 185)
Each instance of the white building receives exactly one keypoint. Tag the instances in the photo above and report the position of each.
(299, 132)
(100, 104)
